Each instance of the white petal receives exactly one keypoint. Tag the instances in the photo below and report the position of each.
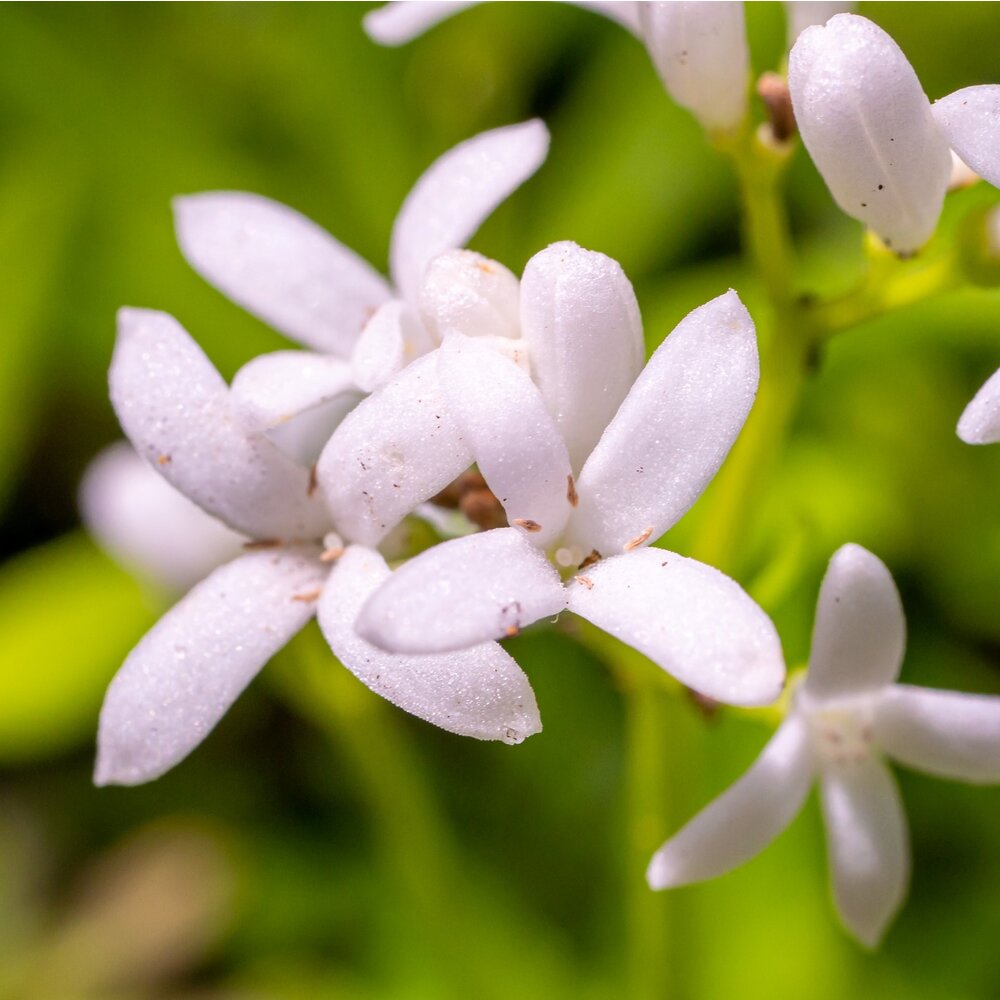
(804, 14)
(280, 266)
(700, 51)
(149, 527)
(980, 423)
(391, 339)
(689, 618)
(296, 397)
(463, 592)
(514, 441)
(192, 665)
(860, 632)
(945, 733)
(456, 194)
(396, 449)
(581, 322)
(465, 292)
(673, 431)
(479, 692)
(403, 20)
(970, 121)
(742, 821)
(868, 846)
(868, 126)
(177, 412)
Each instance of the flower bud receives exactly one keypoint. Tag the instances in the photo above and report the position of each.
(465, 292)
(868, 126)
(700, 52)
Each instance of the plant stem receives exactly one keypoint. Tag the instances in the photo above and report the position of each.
(785, 344)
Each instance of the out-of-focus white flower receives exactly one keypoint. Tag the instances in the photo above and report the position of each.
(883, 150)
(699, 49)
(591, 464)
(980, 422)
(295, 276)
(847, 714)
(184, 674)
(121, 497)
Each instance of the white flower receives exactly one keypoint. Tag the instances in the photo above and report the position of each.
(699, 49)
(591, 468)
(980, 423)
(844, 717)
(883, 150)
(186, 672)
(299, 279)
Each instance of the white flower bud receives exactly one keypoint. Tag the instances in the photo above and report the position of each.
(868, 126)
(465, 292)
(700, 52)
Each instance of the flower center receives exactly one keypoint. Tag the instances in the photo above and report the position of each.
(843, 735)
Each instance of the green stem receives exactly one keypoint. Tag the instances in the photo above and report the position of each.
(784, 348)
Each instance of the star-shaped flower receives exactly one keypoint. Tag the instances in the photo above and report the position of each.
(293, 275)
(882, 148)
(980, 423)
(845, 718)
(591, 464)
(184, 674)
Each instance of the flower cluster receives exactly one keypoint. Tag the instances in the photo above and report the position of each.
(529, 404)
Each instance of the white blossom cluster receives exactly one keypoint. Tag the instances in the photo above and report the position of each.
(288, 487)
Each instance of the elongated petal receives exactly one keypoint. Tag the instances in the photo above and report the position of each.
(860, 632)
(946, 733)
(178, 413)
(296, 397)
(581, 322)
(456, 194)
(689, 618)
(479, 692)
(742, 821)
(868, 846)
(393, 338)
(970, 121)
(672, 432)
(700, 51)
(396, 449)
(980, 423)
(514, 441)
(149, 527)
(399, 22)
(192, 665)
(868, 127)
(465, 292)
(280, 266)
(463, 592)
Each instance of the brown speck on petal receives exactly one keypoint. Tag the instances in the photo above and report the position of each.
(512, 630)
(586, 581)
(594, 557)
(308, 596)
(527, 524)
(638, 540)
(163, 460)
(571, 494)
(313, 481)
(331, 555)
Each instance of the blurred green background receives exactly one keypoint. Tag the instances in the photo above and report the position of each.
(336, 847)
